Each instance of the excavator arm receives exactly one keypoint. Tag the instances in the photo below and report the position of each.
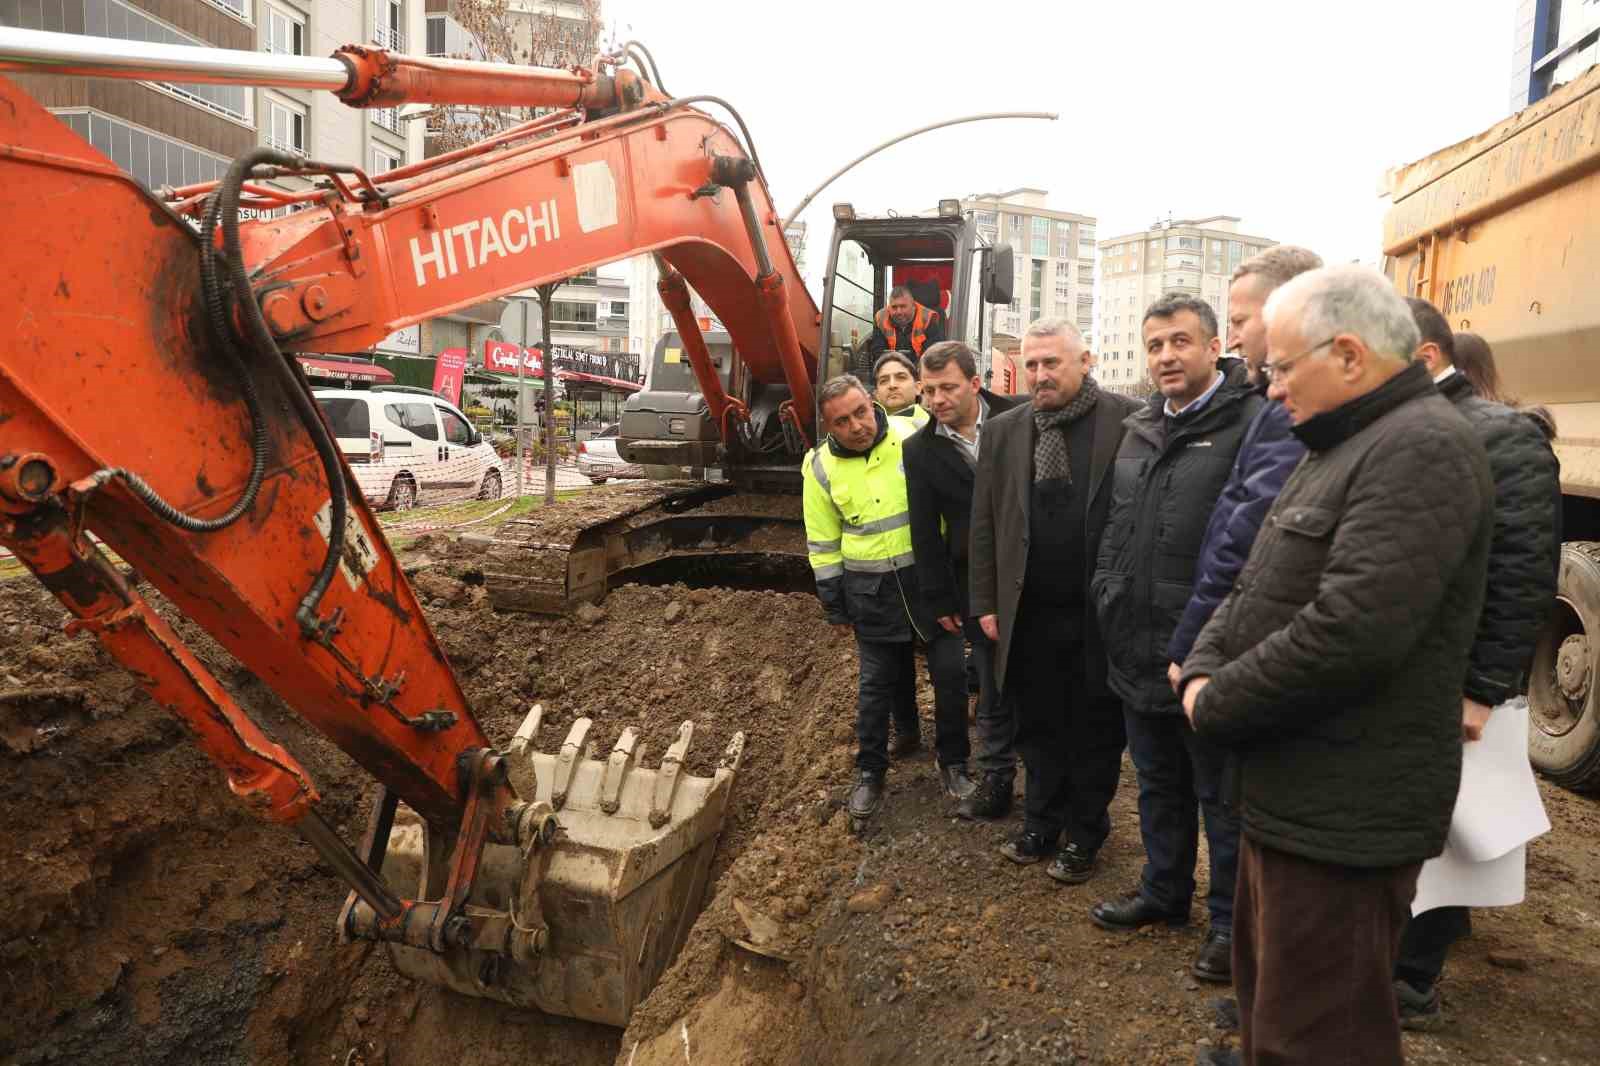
(149, 408)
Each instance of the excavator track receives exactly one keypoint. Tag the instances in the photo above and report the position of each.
(558, 557)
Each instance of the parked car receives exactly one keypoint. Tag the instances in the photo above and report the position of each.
(404, 443)
(598, 459)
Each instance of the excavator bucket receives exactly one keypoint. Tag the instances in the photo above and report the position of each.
(612, 893)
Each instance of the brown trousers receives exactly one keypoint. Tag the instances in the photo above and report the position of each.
(1314, 948)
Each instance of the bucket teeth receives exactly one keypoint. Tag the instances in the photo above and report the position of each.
(623, 759)
(520, 755)
(667, 776)
(734, 755)
(567, 761)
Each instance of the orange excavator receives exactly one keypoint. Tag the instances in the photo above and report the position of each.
(151, 407)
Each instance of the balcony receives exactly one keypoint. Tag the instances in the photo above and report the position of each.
(393, 40)
(388, 118)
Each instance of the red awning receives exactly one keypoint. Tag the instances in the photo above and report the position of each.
(339, 370)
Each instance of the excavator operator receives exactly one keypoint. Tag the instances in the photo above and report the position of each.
(904, 326)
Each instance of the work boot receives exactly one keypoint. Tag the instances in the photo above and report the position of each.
(990, 800)
(1073, 865)
(1027, 848)
(867, 796)
(1214, 961)
(1217, 1056)
(1225, 1013)
(958, 784)
(904, 744)
(1133, 911)
(1419, 1007)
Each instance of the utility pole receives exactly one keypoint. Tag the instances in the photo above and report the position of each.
(522, 357)
(547, 293)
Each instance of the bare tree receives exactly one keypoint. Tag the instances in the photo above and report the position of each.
(540, 33)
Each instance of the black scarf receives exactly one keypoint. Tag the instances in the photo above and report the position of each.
(1050, 458)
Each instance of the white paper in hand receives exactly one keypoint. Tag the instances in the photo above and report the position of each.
(1498, 807)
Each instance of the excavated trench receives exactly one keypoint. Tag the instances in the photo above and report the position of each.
(146, 919)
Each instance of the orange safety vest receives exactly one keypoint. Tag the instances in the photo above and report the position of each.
(919, 329)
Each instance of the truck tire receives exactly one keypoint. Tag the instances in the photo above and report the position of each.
(1563, 694)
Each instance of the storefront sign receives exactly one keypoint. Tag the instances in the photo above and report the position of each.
(448, 370)
(405, 341)
(501, 357)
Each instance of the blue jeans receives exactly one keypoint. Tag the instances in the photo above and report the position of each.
(1181, 775)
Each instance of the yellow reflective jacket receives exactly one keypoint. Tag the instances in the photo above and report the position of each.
(858, 534)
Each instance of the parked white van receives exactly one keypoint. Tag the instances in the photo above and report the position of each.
(405, 444)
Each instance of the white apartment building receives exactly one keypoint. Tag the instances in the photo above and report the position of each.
(1052, 258)
(1194, 256)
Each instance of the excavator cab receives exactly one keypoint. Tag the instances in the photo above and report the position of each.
(945, 262)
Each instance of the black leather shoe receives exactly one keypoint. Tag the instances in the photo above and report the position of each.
(867, 796)
(1214, 962)
(1216, 1056)
(1072, 865)
(904, 744)
(958, 784)
(990, 800)
(1225, 1013)
(1133, 911)
(1026, 849)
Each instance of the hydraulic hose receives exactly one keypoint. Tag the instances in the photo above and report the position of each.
(260, 337)
(216, 319)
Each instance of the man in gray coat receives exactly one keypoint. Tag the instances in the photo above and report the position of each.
(1038, 509)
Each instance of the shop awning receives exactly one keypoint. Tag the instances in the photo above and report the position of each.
(339, 370)
(599, 379)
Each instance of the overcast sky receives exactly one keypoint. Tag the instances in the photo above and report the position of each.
(1285, 113)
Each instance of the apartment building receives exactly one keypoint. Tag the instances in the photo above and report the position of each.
(1194, 256)
(1052, 258)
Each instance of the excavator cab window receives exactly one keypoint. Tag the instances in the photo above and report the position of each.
(855, 286)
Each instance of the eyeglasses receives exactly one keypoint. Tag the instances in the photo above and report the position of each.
(1277, 371)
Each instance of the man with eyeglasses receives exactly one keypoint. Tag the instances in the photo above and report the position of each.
(1170, 468)
(1268, 453)
(1333, 671)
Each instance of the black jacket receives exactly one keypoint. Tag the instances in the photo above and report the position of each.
(1267, 456)
(1524, 555)
(939, 484)
(1169, 474)
(1336, 661)
(1001, 498)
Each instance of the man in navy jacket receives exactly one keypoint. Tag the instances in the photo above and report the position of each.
(1267, 455)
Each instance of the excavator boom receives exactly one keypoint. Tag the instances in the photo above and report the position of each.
(150, 407)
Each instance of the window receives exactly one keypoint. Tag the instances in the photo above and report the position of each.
(1086, 234)
(387, 117)
(112, 18)
(152, 159)
(1041, 236)
(572, 315)
(1194, 244)
(456, 430)
(285, 33)
(415, 417)
(347, 417)
(384, 160)
(286, 126)
(436, 46)
(238, 8)
(1063, 239)
(388, 25)
(619, 309)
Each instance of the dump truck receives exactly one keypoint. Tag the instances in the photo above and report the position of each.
(1502, 233)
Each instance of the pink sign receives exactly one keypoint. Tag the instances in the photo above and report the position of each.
(447, 373)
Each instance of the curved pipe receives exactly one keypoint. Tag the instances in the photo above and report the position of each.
(812, 195)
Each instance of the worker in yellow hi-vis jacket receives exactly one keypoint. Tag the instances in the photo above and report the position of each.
(858, 535)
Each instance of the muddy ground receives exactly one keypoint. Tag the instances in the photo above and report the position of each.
(145, 919)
